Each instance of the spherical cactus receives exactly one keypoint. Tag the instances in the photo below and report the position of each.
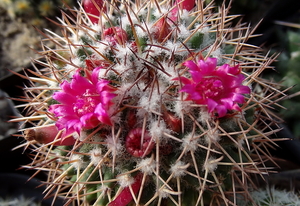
(151, 103)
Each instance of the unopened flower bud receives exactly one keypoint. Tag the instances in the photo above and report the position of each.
(115, 35)
(93, 8)
(181, 5)
(162, 29)
(92, 64)
(47, 134)
(173, 122)
(136, 146)
(125, 197)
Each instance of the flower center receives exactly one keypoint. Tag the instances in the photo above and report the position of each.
(210, 87)
(85, 103)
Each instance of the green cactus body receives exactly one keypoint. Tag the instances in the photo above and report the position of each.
(153, 115)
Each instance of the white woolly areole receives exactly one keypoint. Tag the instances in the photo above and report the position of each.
(129, 89)
(204, 116)
(169, 73)
(154, 50)
(125, 180)
(123, 51)
(157, 129)
(212, 135)
(216, 53)
(54, 83)
(103, 73)
(185, 15)
(189, 142)
(210, 164)
(96, 156)
(182, 107)
(150, 103)
(82, 136)
(183, 32)
(114, 145)
(163, 192)
(76, 161)
(141, 32)
(179, 169)
(147, 166)
(125, 21)
(159, 13)
(204, 29)
(207, 40)
(102, 48)
(97, 28)
(70, 69)
(89, 33)
(173, 48)
(124, 70)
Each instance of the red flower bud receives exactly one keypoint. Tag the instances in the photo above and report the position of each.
(115, 35)
(47, 134)
(162, 29)
(92, 64)
(186, 4)
(94, 8)
(135, 145)
(182, 5)
(173, 122)
(125, 197)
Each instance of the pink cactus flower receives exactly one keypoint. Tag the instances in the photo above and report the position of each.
(115, 35)
(219, 88)
(93, 8)
(85, 102)
(181, 5)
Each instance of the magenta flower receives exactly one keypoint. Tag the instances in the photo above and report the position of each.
(85, 102)
(220, 88)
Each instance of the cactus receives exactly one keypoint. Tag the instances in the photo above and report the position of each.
(150, 103)
(272, 196)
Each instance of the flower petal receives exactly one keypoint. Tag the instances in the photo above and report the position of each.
(64, 98)
(102, 114)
